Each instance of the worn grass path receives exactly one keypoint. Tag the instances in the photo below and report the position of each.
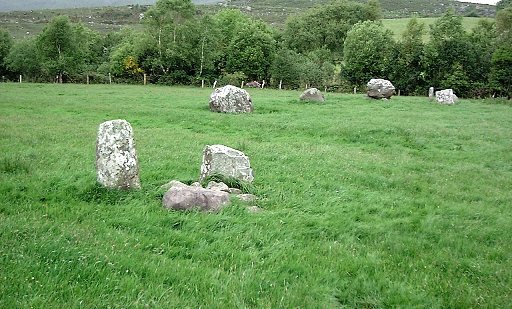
(368, 204)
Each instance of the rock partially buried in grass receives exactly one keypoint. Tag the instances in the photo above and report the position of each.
(312, 94)
(183, 197)
(230, 99)
(446, 97)
(227, 162)
(116, 159)
(378, 88)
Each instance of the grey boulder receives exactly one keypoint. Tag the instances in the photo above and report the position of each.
(183, 197)
(225, 161)
(380, 89)
(446, 97)
(230, 99)
(312, 94)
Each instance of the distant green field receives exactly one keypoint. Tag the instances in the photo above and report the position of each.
(367, 204)
(398, 25)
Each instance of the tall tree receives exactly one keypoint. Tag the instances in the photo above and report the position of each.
(6, 43)
(24, 58)
(164, 22)
(501, 74)
(325, 26)
(367, 52)
(409, 70)
(58, 49)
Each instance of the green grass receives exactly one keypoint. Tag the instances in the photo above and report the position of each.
(399, 25)
(367, 204)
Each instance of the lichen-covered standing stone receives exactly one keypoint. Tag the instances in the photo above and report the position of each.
(230, 99)
(116, 159)
(228, 162)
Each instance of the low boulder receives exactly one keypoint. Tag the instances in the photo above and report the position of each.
(183, 197)
(230, 99)
(312, 94)
(380, 89)
(446, 97)
(253, 84)
(225, 161)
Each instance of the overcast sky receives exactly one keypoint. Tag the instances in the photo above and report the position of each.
(480, 1)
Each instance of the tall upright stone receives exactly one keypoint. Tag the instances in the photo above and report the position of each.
(226, 161)
(116, 159)
(431, 93)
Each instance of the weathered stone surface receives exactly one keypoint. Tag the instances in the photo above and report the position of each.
(185, 197)
(229, 162)
(234, 191)
(219, 186)
(380, 88)
(253, 84)
(312, 94)
(446, 97)
(247, 197)
(170, 184)
(231, 99)
(116, 158)
(431, 93)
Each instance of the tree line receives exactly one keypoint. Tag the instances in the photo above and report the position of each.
(339, 45)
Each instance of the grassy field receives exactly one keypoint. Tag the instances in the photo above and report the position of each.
(399, 25)
(367, 204)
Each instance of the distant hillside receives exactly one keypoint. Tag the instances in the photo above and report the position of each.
(27, 5)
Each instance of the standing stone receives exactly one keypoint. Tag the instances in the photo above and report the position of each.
(380, 89)
(230, 99)
(431, 93)
(446, 97)
(312, 94)
(116, 159)
(228, 162)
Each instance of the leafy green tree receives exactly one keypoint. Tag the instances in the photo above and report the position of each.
(58, 48)
(24, 59)
(367, 52)
(286, 68)
(326, 26)
(166, 24)
(449, 49)
(251, 51)
(502, 4)
(228, 23)
(409, 70)
(6, 43)
(482, 42)
(501, 72)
